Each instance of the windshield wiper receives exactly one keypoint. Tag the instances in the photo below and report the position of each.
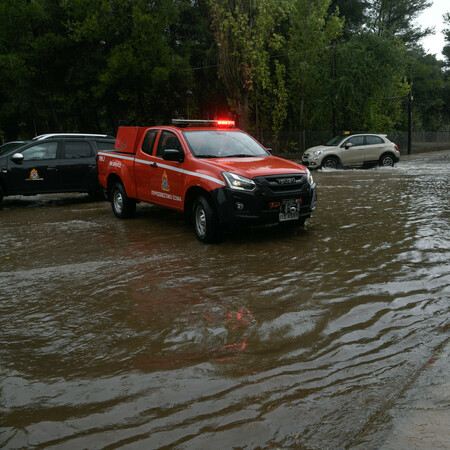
(240, 155)
(207, 156)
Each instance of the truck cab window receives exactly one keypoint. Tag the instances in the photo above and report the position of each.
(168, 140)
(149, 140)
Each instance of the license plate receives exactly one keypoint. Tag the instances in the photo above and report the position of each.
(289, 210)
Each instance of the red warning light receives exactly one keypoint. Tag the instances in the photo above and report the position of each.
(225, 123)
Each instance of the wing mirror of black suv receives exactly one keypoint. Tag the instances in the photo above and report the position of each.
(172, 154)
(17, 158)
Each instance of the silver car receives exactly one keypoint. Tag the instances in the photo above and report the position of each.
(357, 150)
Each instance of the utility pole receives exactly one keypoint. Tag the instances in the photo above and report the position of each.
(410, 100)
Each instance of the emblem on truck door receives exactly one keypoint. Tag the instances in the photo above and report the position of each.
(165, 182)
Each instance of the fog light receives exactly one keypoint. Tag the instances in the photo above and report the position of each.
(239, 206)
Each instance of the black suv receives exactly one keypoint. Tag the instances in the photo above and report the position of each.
(53, 163)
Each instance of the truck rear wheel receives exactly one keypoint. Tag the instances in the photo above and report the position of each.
(206, 225)
(122, 206)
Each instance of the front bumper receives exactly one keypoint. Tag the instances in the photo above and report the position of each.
(311, 164)
(242, 208)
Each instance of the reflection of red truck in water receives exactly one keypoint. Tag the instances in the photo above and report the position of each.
(218, 175)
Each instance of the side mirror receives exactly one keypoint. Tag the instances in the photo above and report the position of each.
(17, 158)
(172, 154)
(269, 150)
(348, 145)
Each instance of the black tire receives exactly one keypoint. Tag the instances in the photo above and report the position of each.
(331, 162)
(206, 224)
(1, 196)
(122, 206)
(387, 160)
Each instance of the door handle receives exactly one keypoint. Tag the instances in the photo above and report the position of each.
(51, 168)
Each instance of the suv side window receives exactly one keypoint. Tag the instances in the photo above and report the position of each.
(77, 149)
(41, 151)
(149, 141)
(373, 140)
(355, 141)
(168, 140)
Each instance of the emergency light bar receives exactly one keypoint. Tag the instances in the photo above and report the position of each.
(205, 123)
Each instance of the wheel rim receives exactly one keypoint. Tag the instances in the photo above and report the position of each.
(118, 201)
(200, 221)
(330, 164)
(388, 161)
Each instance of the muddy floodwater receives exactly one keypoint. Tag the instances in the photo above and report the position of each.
(132, 334)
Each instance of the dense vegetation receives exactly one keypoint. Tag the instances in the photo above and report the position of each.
(274, 65)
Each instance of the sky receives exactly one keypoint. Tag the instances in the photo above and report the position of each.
(432, 17)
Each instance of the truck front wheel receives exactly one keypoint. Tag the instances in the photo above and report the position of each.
(206, 225)
(122, 206)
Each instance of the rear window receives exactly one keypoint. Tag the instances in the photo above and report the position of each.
(373, 140)
(77, 149)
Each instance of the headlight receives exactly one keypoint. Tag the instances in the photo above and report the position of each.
(317, 152)
(238, 182)
(310, 178)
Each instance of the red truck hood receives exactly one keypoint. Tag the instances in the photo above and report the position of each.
(254, 167)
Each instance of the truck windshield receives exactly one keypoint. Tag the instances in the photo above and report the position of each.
(223, 144)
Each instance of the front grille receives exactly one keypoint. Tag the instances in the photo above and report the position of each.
(283, 183)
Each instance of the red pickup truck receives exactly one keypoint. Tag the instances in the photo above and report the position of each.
(217, 175)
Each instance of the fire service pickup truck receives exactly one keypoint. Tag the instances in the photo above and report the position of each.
(217, 175)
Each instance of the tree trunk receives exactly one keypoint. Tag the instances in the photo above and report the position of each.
(242, 111)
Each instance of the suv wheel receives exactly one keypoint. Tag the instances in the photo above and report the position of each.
(206, 224)
(122, 206)
(331, 162)
(387, 160)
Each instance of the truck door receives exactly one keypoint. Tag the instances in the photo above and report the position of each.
(38, 171)
(167, 177)
(144, 163)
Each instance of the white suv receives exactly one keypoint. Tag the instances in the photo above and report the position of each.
(357, 150)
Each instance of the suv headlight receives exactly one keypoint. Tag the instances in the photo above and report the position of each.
(310, 177)
(317, 152)
(238, 182)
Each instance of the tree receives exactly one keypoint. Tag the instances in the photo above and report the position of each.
(396, 18)
(141, 78)
(428, 86)
(246, 34)
(312, 31)
(371, 83)
(446, 49)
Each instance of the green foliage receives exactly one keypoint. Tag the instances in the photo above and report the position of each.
(371, 86)
(247, 36)
(82, 65)
(312, 30)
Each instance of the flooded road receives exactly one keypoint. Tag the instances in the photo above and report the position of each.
(132, 334)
